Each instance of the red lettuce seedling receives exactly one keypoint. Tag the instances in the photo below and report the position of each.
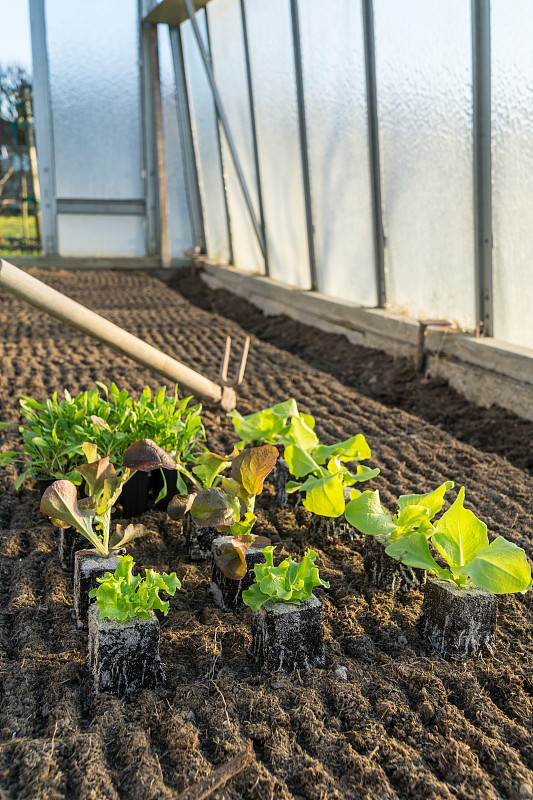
(91, 516)
(124, 596)
(230, 508)
(231, 559)
(290, 582)
(461, 539)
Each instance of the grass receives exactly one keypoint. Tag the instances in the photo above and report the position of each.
(11, 228)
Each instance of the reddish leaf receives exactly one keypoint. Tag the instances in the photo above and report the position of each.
(145, 455)
(179, 505)
(212, 508)
(251, 467)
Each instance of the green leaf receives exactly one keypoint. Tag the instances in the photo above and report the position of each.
(299, 433)
(90, 451)
(354, 449)
(459, 535)
(290, 582)
(264, 425)
(300, 463)
(209, 466)
(501, 568)
(414, 551)
(324, 496)
(433, 501)
(366, 514)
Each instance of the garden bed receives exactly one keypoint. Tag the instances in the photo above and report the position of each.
(397, 722)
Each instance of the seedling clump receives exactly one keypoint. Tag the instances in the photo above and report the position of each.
(291, 582)
(124, 596)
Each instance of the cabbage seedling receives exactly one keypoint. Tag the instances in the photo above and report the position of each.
(91, 516)
(124, 596)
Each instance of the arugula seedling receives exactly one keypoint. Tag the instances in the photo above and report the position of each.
(124, 596)
(290, 582)
(415, 512)
(461, 539)
(53, 432)
(91, 516)
(229, 508)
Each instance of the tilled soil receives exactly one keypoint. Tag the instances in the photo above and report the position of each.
(404, 724)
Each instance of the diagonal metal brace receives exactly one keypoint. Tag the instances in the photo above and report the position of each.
(239, 374)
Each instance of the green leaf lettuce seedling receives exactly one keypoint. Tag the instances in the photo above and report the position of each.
(290, 582)
(124, 596)
(461, 539)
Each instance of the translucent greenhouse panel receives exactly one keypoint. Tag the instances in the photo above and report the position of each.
(335, 101)
(178, 210)
(98, 235)
(271, 55)
(424, 90)
(204, 123)
(229, 64)
(512, 165)
(96, 107)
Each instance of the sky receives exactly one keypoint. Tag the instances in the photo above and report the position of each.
(15, 43)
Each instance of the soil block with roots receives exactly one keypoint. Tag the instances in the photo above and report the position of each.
(198, 539)
(385, 572)
(281, 477)
(124, 656)
(88, 566)
(330, 529)
(70, 541)
(288, 637)
(458, 622)
(227, 592)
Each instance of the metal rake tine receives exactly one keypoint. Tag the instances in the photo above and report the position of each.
(239, 374)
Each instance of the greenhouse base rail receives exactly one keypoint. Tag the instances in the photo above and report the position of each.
(66, 310)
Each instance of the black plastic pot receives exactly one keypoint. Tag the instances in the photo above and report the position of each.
(134, 495)
(43, 484)
(156, 481)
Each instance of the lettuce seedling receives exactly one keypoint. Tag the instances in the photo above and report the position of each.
(326, 474)
(461, 539)
(415, 512)
(229, 507)
(231, 559)
(91, 516)
(124, 596)
(290, 582)
(272, 426)
(323, 466)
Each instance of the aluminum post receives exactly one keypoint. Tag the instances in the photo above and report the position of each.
(224, 123)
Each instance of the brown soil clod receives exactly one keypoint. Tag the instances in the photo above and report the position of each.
(124, 656)
(385, 572)
(288, 637)
(459, 623)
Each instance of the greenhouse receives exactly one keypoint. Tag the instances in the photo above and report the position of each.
(266, 414)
